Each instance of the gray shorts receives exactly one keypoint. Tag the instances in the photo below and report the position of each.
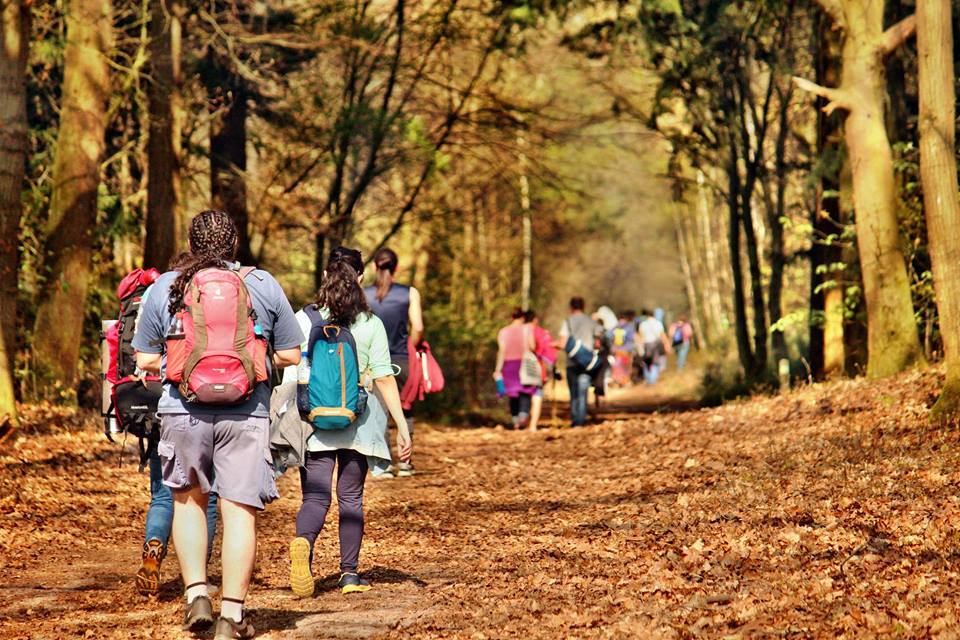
(231, 450)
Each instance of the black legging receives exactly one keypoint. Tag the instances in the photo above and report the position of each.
(519, 405)
(315, 482)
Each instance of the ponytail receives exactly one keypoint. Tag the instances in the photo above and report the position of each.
(386, 262)
(340, 292)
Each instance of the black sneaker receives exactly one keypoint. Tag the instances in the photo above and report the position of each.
(352, 583)
(198, 615)
(228, 629)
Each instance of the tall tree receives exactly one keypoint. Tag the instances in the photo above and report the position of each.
(14, 39)
(938, 171)
(70, 227)
(893, 342)
(163, 143)
(228, 162)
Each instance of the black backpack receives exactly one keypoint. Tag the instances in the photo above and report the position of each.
(133, 398)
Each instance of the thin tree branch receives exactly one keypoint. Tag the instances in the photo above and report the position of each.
(838, 98)
(899, 33)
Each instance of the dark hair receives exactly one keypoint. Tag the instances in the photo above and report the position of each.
(577, 303)
(213, 242)
(340, 292)
(386, 262)
(530, 315)
(645, 312)
(517, 313)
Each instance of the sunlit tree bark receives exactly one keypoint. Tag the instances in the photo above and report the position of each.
(893, 342)
(73, 201)
(938, 170)
(14, 30)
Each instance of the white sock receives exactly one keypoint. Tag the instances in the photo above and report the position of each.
(196, 590)
(232, 610)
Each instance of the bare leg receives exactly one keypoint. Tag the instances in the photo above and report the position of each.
(239, 547)
(536, 407)
(190, 533)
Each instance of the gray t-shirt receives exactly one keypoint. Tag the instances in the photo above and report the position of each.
(580, 327)
(274, 315)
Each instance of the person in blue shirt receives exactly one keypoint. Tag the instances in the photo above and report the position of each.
(201, 442)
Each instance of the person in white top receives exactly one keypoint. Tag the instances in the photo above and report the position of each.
(652, 345)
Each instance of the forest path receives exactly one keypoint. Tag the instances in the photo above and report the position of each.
(826, 511)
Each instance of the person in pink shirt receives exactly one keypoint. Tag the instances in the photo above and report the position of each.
(513, 341)
(681, 335)
(547, 353)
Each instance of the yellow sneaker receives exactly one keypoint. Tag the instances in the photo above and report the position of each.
(301, 579)
(352, 583)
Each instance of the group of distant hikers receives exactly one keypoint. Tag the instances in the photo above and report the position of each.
(601, 349)
(192, 361)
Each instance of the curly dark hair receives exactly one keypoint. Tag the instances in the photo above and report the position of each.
(340, 292)
(213, 242)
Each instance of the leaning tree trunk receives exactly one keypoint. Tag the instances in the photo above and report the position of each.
(58, 329)
(228, 166)
(893, 344)
(938, 171)
(163, 144)
(14, 39)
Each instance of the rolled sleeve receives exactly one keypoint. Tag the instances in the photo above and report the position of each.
(149, 335)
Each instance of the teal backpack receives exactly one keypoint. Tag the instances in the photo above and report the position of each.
(329, 393)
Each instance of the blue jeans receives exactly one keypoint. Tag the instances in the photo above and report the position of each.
(682, 350)
(579, 384)
(160, 513)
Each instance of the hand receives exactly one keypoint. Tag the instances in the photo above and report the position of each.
(404, 445)
(497, 375)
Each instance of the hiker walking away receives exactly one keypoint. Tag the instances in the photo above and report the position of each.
(514, 342)
(653, 346)
(347, 447)
(159, 520)
(681, 336)
(547, 355)
(400, 309)
(659, 314)
(207, 326)
(622, 339)
(581, 327)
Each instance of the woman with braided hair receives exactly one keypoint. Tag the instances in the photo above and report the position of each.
(229, 442)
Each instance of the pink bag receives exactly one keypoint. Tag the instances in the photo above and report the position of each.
(425, 375)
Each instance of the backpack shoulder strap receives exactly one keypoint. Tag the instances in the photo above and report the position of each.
(243, 272)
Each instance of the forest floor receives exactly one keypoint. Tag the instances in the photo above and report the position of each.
(828, 511)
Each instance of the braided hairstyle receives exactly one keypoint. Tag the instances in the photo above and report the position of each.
(340, 292)
(213, 242)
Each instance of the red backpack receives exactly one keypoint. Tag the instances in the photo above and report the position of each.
(216, 351)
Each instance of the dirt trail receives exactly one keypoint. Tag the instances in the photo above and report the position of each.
(826, 512)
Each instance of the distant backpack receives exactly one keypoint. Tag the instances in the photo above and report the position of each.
(329, 393)
(133, 398)
(619, 336)
(216, 351)
(678, 335)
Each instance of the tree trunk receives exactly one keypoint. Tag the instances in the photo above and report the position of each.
(938, 171)
(58, 329)
(736, 263)
(163, 144)
(826, 348)
(228, 166)
(14, 41)
(893, 344)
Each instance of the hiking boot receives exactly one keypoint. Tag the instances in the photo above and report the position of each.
(228, 629)
(198, 615)
(404, 470)
(352, 583)
(301, 579)
(148, 575)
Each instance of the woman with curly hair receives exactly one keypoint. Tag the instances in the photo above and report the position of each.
(228, 442)
(341, 301)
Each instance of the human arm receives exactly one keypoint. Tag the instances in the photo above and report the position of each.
(287, 334)
(286, 357)
(387, 386)
(498, 369)
(415, 316)
(149, 362)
